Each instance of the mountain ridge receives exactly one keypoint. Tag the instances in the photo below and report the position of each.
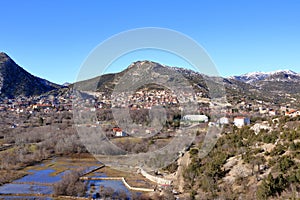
(252, 77)
(16, 81)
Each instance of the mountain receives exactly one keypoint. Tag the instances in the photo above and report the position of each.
(279, 84)
(142, 70)
(277, 87)
(15, 81)
(279, 75)
(234, 89)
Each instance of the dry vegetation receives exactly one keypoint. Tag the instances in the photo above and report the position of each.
(36, 138)
(240, 165)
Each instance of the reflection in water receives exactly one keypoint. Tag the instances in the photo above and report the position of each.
(95, 185)
(13, 188)
(24, 197)
(41, 176)
(41, 181)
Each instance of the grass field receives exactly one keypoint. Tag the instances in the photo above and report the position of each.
(61, 164)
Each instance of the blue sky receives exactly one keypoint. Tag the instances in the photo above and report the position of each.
(51, 39)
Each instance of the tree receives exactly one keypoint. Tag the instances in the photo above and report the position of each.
(285, 163)
(271, 186)
(70, 184)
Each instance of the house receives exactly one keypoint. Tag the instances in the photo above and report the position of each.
(292, 113)
(241, 121)
(262, 110)
(195, 118)
(223, 120)
(119, 132)
(283, 108)
(273, 112)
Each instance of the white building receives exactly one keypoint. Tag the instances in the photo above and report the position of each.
(272, 112)
(196, 118)
(223, 120)
(241, 121)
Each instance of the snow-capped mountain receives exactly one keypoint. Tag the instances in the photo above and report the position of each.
(276, 83)
(279, 75)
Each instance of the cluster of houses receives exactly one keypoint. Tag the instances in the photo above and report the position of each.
(263, 108)
(238, 121)
(44, 104)
(145, 99)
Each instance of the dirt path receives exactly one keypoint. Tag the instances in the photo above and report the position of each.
(183, 162)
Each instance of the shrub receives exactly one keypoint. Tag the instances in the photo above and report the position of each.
(70, 185)
(285, 163)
